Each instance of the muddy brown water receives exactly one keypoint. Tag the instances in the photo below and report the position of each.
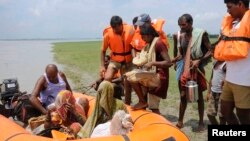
(25, 60)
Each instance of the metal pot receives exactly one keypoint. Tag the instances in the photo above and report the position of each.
(192, 91)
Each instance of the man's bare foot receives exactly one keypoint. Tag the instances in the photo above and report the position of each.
(200, 128)
(179, 125)
(139, 106)
(157, 111)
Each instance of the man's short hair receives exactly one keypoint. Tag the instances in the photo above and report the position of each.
(245, 2)
(148, 29)
(188, 17)
(115, 21)
(135, 20)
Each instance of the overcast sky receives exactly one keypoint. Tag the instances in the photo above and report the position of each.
(22, 19)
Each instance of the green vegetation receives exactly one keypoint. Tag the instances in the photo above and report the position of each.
(81, 61)
(84, 57)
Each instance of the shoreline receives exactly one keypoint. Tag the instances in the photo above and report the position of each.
(80, 61)
(84, 65)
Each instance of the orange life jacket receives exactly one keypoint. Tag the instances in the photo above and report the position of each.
(119, 45)
(235, 42)
(138, 43)
(158, 25)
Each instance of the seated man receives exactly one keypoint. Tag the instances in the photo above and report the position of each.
(117, 81)
(47, 87)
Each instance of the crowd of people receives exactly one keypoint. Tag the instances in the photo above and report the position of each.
(139, 57)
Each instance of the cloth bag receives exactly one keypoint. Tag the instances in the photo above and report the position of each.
(148, 78)
(34, 122)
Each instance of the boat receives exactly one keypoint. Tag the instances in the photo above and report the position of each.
(148, 126)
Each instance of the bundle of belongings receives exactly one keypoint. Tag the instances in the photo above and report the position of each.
(148, 78)
(120, 124)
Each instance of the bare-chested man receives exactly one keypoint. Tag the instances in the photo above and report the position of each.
(195, 50)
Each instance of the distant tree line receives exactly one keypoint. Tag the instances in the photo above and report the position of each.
(213, 35)
(210, 35)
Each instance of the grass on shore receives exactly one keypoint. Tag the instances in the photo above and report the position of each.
(79, 58)
(81, 61)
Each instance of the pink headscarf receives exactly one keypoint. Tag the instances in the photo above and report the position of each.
(64, 97)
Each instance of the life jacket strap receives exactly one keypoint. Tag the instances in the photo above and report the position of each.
(122, 54)
(226, 38)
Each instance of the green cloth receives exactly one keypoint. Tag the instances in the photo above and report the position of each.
(105, 107)
(196, 41)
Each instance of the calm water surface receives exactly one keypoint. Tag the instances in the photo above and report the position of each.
(25, 60)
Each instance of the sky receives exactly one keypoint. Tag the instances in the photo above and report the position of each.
(74, 19)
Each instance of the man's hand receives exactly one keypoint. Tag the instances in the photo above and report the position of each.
(208, 95)
(70, 107)
(148, 65)
(175, 66)
(195, 63)
(102, 71)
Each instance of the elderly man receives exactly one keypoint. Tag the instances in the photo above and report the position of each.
(195, 46)
(47, 87)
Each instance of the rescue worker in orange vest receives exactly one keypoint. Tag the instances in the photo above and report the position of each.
(117, 37)
(235, 32)
(137, 42)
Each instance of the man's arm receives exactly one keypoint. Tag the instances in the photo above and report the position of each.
(206, 42)
(166, 63)
(175, 44)
(65, 80)
(209, 87)
(102, 69)
(176, 51)
(35, 94)
(105, 45)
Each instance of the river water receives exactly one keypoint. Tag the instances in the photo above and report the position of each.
(25, 60)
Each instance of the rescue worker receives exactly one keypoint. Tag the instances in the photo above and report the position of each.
(117, 37)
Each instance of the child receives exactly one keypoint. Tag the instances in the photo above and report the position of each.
(214, 92)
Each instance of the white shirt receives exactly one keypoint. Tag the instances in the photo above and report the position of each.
(238, 71)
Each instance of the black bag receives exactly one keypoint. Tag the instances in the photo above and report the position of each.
(23, 109)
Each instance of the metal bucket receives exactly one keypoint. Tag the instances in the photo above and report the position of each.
(192, 91)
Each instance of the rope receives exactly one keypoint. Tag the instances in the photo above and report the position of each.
(202, 74)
